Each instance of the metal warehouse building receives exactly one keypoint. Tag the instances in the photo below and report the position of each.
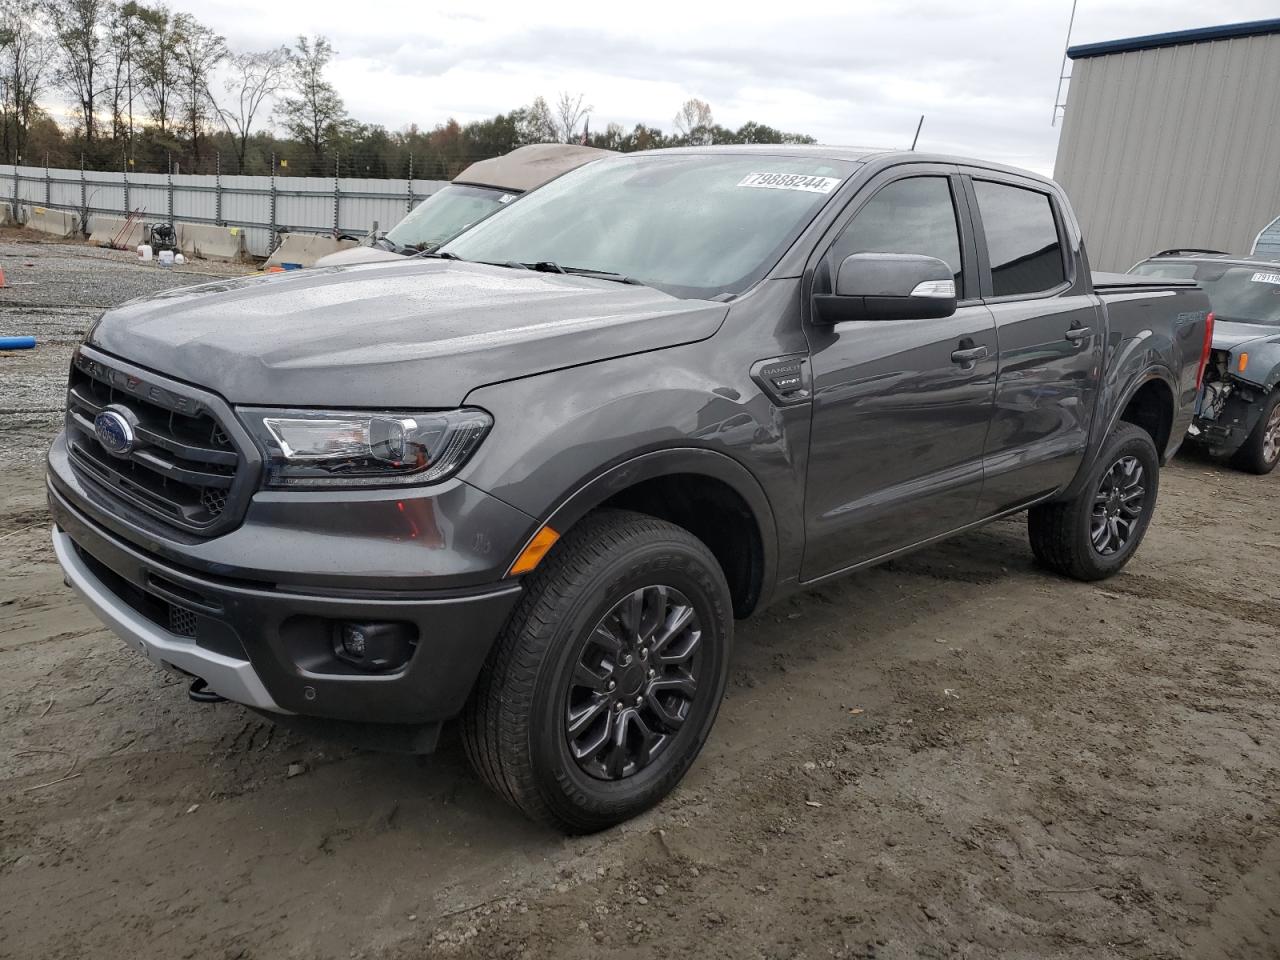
(1173, 140)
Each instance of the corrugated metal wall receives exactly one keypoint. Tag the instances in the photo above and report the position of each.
(302, 204)
(1173, 147)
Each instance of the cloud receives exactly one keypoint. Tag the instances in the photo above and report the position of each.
(983, 72)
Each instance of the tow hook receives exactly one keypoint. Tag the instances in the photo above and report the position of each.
(199, 692)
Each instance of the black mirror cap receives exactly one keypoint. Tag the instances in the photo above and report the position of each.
(888, 286)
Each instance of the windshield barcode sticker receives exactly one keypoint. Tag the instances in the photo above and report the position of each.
(789, 181)
(1266, 278)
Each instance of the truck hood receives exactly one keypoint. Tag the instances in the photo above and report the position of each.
(1228, 335)
(418, 333)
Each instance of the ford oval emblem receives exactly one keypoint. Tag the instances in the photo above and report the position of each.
(114, 432)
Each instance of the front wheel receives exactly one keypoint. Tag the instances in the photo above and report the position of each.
(602, 689)
(1093, 535)
(1261, 451)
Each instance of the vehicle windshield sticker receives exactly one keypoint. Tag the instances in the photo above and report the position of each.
(506, 198)
(790, 181)
(1266, 278)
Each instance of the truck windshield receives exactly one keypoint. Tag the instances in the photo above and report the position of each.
(1239, 294)
(693, 225)
(446, 213)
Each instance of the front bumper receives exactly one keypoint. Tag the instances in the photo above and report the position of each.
(269, 645)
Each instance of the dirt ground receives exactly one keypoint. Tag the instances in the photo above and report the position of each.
(953, 755)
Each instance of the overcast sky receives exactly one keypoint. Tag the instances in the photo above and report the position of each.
(846, 72)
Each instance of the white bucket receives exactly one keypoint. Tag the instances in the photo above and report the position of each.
(166, 258)
(144, 251)
(179, 259)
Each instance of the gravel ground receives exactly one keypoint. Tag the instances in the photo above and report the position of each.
(954, 755)
(54, 291)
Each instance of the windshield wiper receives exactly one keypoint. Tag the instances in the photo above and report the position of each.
(438, 255)
(549, 266)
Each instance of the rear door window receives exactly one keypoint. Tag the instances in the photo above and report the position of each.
(1022, 239)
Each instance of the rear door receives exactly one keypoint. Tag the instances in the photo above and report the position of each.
(900, 407)
(1050, 334)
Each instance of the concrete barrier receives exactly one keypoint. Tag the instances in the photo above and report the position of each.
(306, 249)
(58, 223)
(210, 242)
(104, 230)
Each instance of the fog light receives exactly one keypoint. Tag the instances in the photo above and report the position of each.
(375, 646)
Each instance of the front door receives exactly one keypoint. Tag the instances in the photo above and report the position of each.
(900, 407)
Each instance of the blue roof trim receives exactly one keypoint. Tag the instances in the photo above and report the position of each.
(1226, 31)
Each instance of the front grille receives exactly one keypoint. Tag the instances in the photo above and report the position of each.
(184, 467)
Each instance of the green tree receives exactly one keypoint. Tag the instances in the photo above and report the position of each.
(313, 114)
(125, 38)
(80, 33)
(198, 51)
(535, 124)
(157, 57)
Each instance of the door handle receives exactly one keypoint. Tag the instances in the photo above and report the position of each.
(1076, 334)
(970, 355)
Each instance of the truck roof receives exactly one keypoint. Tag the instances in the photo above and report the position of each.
(531, 166)
(848, 154)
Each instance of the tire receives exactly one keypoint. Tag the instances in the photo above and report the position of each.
(1261, 450)
(1063, 533)
(555, 658)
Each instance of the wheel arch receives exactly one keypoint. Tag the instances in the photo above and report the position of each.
(1156, 410)
(707, 493)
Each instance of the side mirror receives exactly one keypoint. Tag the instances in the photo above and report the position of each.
(888, 286)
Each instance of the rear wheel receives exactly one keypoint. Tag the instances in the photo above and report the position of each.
(604, 686)
(1093, 535)
(1261, 451)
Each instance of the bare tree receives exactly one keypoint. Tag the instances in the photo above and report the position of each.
(694, 120)
(80, 33)
(198, 51)
(254, 78)
(24, 61)
(314, 113)
(569, 110)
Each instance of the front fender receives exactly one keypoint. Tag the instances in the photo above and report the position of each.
(565, 441)
(1263, 367)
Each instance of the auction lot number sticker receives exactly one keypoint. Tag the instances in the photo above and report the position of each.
(789, 181)
(1266, 278)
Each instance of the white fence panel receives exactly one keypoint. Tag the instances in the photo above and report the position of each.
(260, 205)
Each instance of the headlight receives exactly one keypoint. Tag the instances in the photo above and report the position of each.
(313, 448)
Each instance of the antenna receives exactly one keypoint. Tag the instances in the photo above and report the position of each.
(917, 136)
(1063, 76)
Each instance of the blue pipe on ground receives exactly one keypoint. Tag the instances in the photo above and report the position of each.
(17, 343)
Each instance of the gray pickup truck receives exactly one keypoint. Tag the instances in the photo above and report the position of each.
(532, 479)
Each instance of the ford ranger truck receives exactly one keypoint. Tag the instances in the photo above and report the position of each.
(531, 480)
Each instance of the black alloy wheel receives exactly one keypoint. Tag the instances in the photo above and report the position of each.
(1117, 506)
(633, 683)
